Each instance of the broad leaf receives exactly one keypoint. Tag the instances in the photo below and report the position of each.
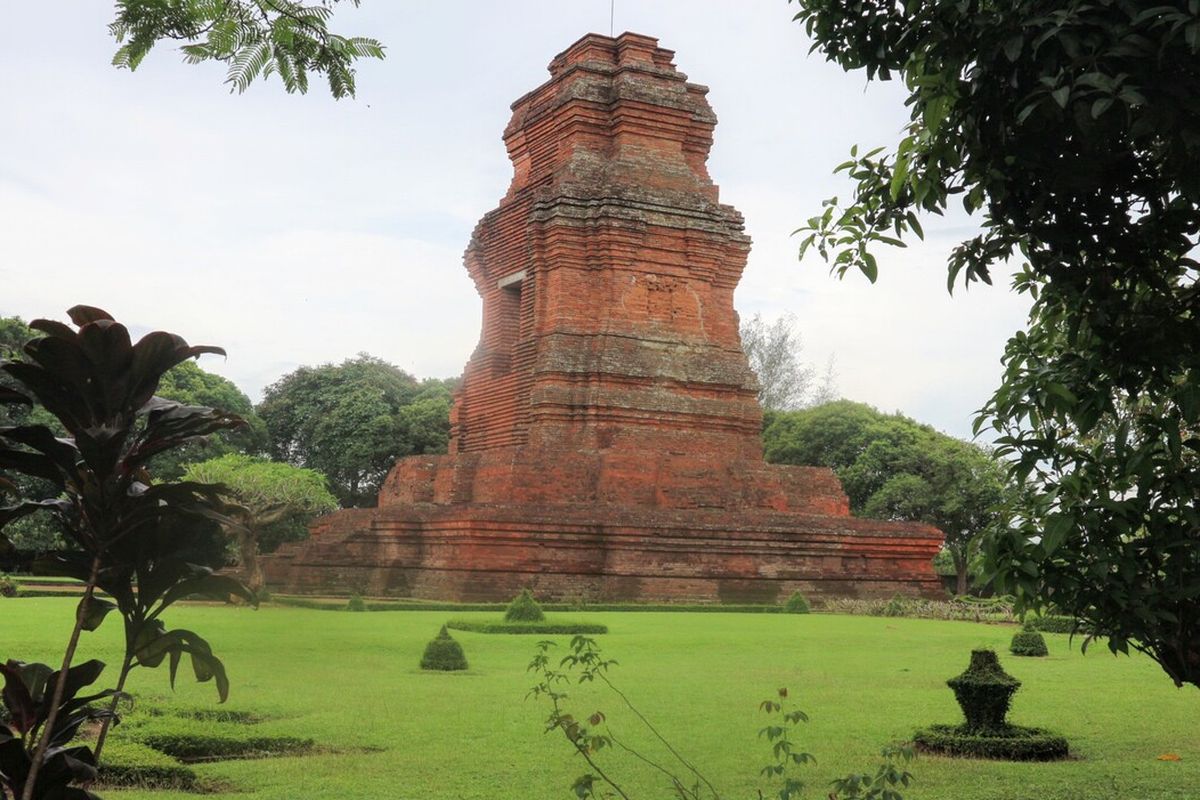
(83, 315)
(22, 712)
(97, 609)
(13, 397)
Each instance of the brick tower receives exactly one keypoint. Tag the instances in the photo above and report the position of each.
(605, 440)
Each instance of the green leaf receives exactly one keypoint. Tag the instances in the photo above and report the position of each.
(899, 176)
(1012, 48)
(1055, 532)
(1100, 106)
(220, 587)
(869, 267)
(94, 612)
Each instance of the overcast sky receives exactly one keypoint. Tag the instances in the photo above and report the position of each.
(295, 229)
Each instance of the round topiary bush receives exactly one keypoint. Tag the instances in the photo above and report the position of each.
(797, 604)
(8, 587)
(1029, 643)
(524, 608)
(444, 654)
(356, 603)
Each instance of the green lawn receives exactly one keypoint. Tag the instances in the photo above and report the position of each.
(384, 729)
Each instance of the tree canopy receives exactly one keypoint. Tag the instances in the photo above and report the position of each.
(253, 38)
(785, 381)
(892, 467)
(185, 383)
(351, 421)
(37, 533)
(191, 385)
(1072, 131)
(277, 501)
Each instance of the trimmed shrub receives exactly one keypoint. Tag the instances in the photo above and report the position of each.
(526, 627)
(1010, 743)
(409, 604)
(960, 608)
(1056, 623)
(1029, 643)
(797, 604)
(444, 654)
(130, 764)
(356, 603)
(896, 608)
(524, 608)
(217, 715)
(8, 587)
(984, 691)
(191, 747)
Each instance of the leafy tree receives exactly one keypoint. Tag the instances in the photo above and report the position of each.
(14, 333)
(253, 38)
(895, 468)
(1073, 131)
(185, 383)
(189, 384)
(136, 541)
(351, 421)
(275, 503)
(784, 380)
(41, 533)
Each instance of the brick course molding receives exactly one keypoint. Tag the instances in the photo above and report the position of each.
(605, 442)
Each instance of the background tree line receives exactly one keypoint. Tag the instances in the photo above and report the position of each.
(326, 436)
(321, 437)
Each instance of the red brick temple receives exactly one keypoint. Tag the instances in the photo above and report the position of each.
(605, 442)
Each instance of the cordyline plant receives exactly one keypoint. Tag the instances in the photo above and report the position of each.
(137, 541)
(28, 701)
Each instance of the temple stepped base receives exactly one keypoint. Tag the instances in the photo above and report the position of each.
(482, 553)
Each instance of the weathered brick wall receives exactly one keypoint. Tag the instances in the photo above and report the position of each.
(605, 440)
(607, 273)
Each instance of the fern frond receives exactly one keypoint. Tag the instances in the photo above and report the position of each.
(362, 47)
(240, 73)
(120, 58)
(286, 73)
(223, 37)
(197, 53)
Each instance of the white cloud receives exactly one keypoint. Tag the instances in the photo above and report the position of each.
(296, 229)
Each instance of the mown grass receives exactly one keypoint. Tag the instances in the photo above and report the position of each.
(385, 729)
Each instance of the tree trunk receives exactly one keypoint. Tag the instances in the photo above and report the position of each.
(960, 572)
(248, 555)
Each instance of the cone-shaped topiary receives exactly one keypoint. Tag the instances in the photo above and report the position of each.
(984, 691)
(524, 608)
(1029, 643)
(356, 603)
(797, 604)
(444, 653)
